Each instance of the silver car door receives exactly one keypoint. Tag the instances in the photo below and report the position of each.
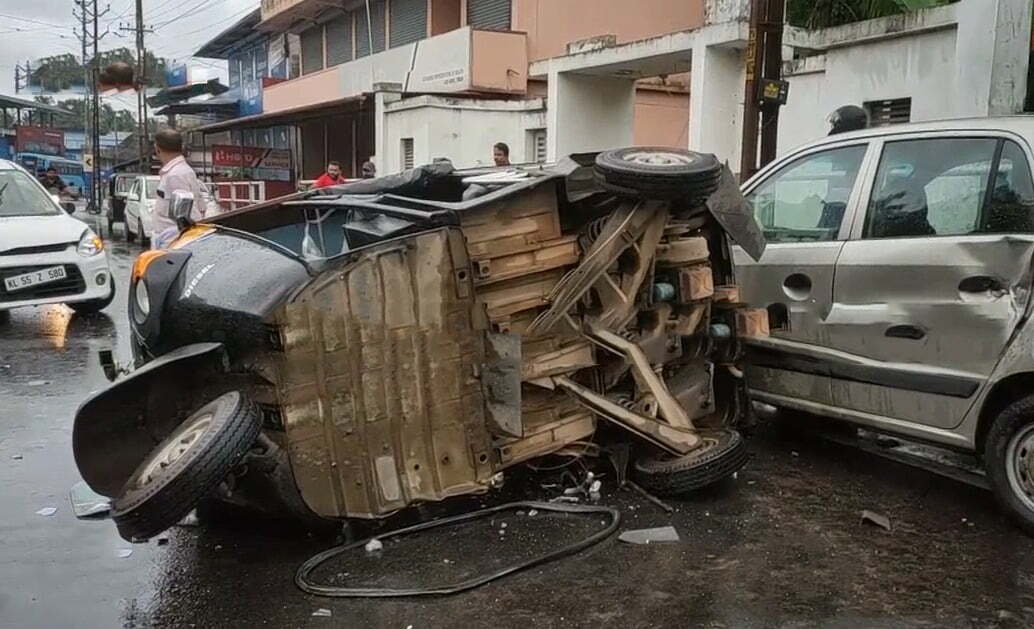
(805, 207)
(928, 294)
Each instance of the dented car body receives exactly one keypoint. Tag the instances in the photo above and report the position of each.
(405, 339)
(898, 282)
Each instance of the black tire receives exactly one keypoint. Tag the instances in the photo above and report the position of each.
(94, 305)
(159, 495)
(111, 227)
(658, 173)
(130, 236)
(724, 454)
(144, 240)
(1012, 435)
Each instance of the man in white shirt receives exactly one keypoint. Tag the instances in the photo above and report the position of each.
(176, 174)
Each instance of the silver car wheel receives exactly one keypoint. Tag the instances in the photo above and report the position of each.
(659, 158)
(174, 448)
(1019, 465)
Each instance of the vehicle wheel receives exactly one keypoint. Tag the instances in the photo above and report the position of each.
(130, 236)
(1009, 461)
(723, 453)
(94, 305)
(111, 227)
(144, 240)
(187, 466)
(5, 316)
(658, 173)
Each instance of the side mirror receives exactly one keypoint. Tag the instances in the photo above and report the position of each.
(180, 205)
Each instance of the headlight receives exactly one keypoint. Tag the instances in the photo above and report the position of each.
(90, 244)
(143, 301)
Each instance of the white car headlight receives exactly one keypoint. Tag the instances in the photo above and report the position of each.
(143, 300)
(90, 244)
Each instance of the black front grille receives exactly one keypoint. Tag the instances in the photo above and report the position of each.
(41, 249)
(72, 284)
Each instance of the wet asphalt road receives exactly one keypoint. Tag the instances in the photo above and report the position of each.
(779, 546)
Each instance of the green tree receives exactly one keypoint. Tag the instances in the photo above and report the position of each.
(64, 72)
(823, 13)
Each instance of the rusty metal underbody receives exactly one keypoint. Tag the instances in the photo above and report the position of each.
(422, 366)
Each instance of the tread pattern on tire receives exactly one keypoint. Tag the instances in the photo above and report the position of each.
(147, 516)
(683, 475)
(694, 182)
(1013, 418)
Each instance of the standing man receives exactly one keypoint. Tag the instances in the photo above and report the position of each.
(501, 154)
(175, 175)
(368, 170)
(330, 178)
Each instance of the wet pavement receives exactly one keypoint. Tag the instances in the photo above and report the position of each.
(782, 545)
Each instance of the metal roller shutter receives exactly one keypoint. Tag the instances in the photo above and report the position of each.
(491, 15)
(312, 50)
(408, 22)
(339, 40)
(362, 40)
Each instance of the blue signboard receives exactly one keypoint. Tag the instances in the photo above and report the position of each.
(176, 76)
(6, 152)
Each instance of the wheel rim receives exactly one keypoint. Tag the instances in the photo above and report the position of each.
(658, 158)
(173, 449)
(1019, 465)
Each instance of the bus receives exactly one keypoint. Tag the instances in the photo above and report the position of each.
(70, 171)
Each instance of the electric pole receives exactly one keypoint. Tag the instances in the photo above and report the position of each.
(764, 92)
(142, 135)
(82, 34)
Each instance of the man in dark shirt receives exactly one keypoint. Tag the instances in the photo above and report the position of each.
(52, 182)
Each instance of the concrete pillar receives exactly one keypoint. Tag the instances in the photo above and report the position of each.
(992, 56)
(716, 101)
(382, 158)
(588, 113)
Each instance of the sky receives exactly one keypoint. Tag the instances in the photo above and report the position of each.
(30, 29)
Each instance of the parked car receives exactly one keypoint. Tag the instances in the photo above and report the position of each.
(47, 256)
(115, 209)
(139, 211)
(347, 353)
(898, 283)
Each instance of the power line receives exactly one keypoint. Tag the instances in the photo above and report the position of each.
(25, 19)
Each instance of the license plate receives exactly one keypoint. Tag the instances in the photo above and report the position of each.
(26, 280)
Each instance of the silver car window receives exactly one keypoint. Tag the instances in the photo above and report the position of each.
(806, 199)
(1010, 209)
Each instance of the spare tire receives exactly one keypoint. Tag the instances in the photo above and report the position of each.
(186, 467)
(722, 454)
(658, 173)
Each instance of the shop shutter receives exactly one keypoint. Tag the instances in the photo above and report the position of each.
(887, 112)
(362, 40)
(407, 153)
(339, 40)
(408, 21)
(312, 49)
(492, 15)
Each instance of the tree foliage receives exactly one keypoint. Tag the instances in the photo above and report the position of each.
(64, 72)
(111, 119)
(823, 13)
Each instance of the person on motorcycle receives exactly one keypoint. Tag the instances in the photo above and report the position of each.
(52, 182)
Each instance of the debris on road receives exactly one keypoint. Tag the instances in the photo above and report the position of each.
(322, 612)
(374, 545)
(659, 535)
(38, 383)
(190, 519)
(17, 457)
(88, 504)
(124, 553)
(532, 513)
(654, 499)
(47, 511)
(878, 519)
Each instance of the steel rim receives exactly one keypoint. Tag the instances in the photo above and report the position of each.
(173, 449)
(658, 158)
(1019, 465)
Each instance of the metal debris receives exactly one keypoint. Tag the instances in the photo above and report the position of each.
(374, 545)
(322, 612)
(878, 519)
(47, 511)
(659, 535)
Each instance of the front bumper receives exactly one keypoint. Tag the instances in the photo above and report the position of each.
(88, 278)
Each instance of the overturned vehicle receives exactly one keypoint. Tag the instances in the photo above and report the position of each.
(348, 352)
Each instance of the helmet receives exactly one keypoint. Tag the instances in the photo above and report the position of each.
(848, 118)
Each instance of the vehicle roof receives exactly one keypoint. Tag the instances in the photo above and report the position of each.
(1020, 124)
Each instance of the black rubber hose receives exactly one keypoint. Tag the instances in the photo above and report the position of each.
(301, 578)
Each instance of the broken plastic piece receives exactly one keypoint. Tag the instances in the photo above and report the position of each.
(47, 511)
(878, 519)
(88, 504)
(322, 612)
(374, 545)
(124, 553)
(659, 535)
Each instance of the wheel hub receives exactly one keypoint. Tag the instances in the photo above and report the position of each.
(1020, 465)
(658, 158)
(174, 448)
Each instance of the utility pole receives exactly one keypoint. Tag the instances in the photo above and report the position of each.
(22, 74)
(763, 70)
(86, 70)
(143, 140)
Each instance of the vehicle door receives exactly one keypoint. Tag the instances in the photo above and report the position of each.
(935, 277)
(804, 204)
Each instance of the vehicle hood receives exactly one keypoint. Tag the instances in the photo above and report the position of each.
(38, 231)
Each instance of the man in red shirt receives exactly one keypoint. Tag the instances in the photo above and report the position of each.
(330, 178)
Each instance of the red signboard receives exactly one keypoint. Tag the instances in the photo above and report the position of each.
(39, 140)
(260, 163)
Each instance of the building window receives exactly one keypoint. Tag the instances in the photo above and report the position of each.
(312, 50)
(408, 21)
(888, 112)
(491, 15)
(362, 28)
(536, 150)
(406, 153)
(339, 40)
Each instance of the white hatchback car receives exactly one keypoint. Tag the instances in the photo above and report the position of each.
(143, 194)
(47, 256)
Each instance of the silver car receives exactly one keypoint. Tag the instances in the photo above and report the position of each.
(898, 284)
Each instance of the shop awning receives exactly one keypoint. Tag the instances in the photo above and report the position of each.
(288, 116)
(12, 102)
(181, 93)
